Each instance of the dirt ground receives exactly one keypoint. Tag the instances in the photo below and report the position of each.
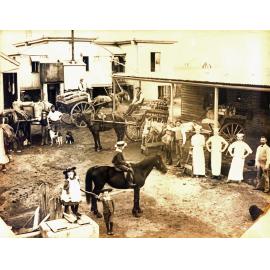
(174, 206)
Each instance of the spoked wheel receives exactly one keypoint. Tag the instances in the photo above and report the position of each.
(230, 130)
(78, 109)
(134, 129)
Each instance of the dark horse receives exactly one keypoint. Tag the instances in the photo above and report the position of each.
(97, 125)
(100, 175)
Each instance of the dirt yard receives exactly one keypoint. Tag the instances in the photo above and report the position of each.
(173, 206)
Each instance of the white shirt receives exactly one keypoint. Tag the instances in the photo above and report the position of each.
(179, 133)
(54, 116)
(82, 86)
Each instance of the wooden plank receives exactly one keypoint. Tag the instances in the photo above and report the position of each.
(36, 219)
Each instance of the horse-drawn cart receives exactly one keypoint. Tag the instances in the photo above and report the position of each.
(71, 104)
(231, 121)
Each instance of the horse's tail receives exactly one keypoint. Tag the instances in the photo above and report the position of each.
(89, 183)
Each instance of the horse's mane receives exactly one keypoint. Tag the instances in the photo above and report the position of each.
(146, 160)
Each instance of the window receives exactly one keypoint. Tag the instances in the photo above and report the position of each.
(164, 91)
(118, 63)
(86, 61)
(31, 95)
(155, 61)
(265, 101)
(35, 67)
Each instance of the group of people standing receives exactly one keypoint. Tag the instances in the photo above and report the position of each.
(175, 138)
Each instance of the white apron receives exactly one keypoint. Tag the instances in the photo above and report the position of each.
(237, 165)
(198, 159)
(216, 155)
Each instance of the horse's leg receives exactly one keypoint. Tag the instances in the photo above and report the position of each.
(94, 207)
(140, 211)
(136, 206)
(95, 139)
(98, 141)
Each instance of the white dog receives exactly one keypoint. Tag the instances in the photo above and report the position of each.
(56, 136)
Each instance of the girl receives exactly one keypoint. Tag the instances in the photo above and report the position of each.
(71, 194)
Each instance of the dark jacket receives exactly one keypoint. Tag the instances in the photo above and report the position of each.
(119, 159)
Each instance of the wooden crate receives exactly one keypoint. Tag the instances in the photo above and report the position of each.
(61, 228)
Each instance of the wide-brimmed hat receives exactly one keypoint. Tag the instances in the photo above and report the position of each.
(198, 127)
(120, 144)
(240, 135)
(69, 169)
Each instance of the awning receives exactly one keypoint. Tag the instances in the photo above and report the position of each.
(115, 50)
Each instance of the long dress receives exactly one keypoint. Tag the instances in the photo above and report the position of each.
(216, 155)
(198, 160)
(74, 194)
(238, 162)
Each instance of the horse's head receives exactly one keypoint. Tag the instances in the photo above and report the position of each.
(159, 164)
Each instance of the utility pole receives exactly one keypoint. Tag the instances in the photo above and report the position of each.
(72, 46)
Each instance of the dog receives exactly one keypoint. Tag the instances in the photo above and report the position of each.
(56, 136)
(255, 212)
(69, 138)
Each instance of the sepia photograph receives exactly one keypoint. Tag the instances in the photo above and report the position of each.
(134, 133)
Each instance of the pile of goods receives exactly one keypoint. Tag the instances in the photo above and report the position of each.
(72, 97)
(159, 104)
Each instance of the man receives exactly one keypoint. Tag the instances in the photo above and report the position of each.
(239, 150)
(137, 101)
(218, 146)
(121, 164)
(180, 140)
(83, 87)
(54, 118)
(198, 158)
(167, 140)
(262, 161)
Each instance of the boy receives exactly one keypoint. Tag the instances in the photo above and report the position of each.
(44, 128)
(121, 164)
(108, 209)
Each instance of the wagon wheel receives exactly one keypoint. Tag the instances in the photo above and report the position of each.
(230, 130)
(78, 109)
(134, 129)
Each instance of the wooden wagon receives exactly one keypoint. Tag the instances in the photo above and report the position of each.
(73, 103)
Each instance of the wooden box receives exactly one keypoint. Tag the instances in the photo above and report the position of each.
(61, 228)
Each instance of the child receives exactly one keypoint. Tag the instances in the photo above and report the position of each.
(108, 209)
(44, 128)
(71, 194)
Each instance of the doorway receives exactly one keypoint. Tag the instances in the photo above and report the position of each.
(10, 89)
(53, 91)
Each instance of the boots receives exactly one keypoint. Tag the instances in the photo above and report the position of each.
(111, 228)
(108, 228)
(258, 185)
(130, 178)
